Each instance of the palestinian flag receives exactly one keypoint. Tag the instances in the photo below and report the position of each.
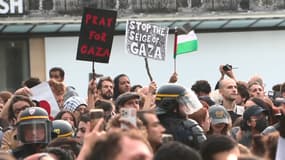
(186, 43)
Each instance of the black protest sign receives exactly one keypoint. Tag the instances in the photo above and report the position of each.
(96, 35)
(146, 40)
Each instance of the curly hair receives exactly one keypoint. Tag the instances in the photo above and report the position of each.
(16, 98)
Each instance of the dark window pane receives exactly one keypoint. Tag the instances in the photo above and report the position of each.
(14, 63)
(47, 4)
(34, 4)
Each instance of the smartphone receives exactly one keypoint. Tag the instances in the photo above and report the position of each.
(128, 115)
(96, 113)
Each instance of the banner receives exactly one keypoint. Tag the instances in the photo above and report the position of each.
(146, 40)
(42, 92)
(96, 35)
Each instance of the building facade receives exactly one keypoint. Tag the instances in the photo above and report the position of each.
(31, 31)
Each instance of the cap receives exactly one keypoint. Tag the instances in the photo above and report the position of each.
(73, 102)
(252, 111)
(219, 114)
(123, 98)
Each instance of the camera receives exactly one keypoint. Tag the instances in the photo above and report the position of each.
(227, 67)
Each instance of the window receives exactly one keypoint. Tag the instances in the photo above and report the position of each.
(14, 63)
(47, 4)
(34, 4)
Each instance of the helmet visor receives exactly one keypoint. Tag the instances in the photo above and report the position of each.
(33, 132)
(190, 101)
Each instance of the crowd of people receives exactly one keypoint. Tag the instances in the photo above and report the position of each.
(236, 120)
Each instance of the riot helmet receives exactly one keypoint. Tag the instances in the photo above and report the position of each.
(34, 126)
(61, 128)
(170, 96)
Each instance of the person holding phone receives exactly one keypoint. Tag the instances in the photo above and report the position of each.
(127, 104)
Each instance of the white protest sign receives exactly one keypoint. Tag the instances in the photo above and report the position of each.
(43, 92)
(146, 40)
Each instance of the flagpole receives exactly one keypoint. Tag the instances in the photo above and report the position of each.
(147, 69)
(174, 48)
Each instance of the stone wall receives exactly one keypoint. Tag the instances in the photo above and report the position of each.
(74, 7)
(154, 5)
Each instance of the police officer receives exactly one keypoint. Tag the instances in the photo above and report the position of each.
(33, 130)
(61, 128)
(173, 105)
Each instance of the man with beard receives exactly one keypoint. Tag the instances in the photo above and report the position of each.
(105, 88)
(229, 92)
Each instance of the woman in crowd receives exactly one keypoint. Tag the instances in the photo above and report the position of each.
(67, 116)
(220, 120)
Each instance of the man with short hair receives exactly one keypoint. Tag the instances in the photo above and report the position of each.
(176, 150)
(117, 145)
(255, 89)
(229, 92)
(58, 74)
(105, 88)
(154, 129)
(202, 89)
(219, 147)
